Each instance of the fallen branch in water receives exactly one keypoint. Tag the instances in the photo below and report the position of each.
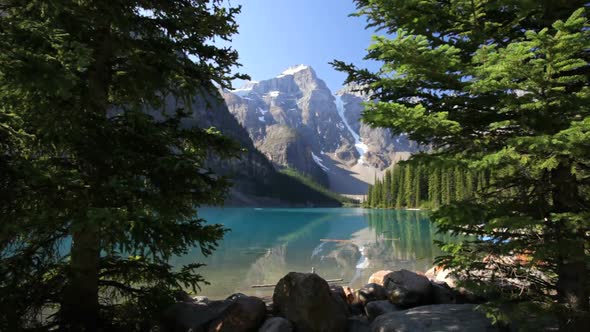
(336, 240)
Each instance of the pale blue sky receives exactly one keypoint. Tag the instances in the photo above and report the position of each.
(276, 34)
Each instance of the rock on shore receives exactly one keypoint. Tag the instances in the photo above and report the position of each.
(430, 318)
(392, 301)
(305, 299)
(408, 289)
(246, 313)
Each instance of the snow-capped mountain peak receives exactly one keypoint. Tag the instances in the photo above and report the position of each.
(245, 89)
(293, 70)
(296, 121)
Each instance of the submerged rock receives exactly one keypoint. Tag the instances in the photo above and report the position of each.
(430, 318)
(344, 255)
(305, 299)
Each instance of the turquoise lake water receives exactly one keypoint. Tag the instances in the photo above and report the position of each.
(265, 244)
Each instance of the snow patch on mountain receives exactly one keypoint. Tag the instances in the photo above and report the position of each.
(293, 70)
(245, 89)
(361, 147)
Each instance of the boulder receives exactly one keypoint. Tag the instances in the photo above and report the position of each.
(276, 324)
(358, 324)
(356, 309)
(408, 289)
(377, 277)
(305, 299)
(184, 316)
(430, 318)
(351, 295)
(343, 254)
(342, 303)
(267, 302)
(372, 292)
(431, 273)
(463, 295)
(182, 296)
(246, 313)
(340, 296)
(375, 309)
(338, 291)
(442, 293)
(439, 274)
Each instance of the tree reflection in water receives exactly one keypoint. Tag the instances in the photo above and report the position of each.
(266, 244)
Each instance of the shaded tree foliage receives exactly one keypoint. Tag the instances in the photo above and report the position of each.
(99, 182)
(502, 87)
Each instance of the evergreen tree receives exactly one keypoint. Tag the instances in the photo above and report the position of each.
(393, 186)
(417, 186)
(385, 189)
(369, 201)
(426, 186)
(376, 194)
(481, 183)
(446, 186)
(408, 187)
(401, 194)
(459, 184)
(469, 180)
(96, 153)
(501, 86)
(434, 193)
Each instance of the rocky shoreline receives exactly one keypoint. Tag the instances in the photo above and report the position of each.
(390, 301)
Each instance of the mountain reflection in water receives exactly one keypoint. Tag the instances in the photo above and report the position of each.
(265, 244)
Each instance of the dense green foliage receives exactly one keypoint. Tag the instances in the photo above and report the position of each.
(414, 185)
(502, 87)
(99, 184)
(299, 190)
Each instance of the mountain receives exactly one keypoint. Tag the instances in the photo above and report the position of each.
(255, 180)
(297, 122)
(382, 148)
(293, 120)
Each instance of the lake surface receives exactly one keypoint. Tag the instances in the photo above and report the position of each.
(265, 244)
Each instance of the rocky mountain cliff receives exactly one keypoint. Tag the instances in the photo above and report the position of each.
(382, 148)
(296, 121)
(293, 120)
(256, 181)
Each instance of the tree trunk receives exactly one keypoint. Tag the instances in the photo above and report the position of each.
(571, 283)
(571, 266)
(80, 305)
